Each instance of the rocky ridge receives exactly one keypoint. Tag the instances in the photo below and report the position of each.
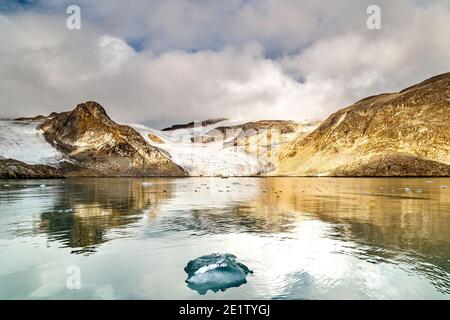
(101, 147)
(397, 134)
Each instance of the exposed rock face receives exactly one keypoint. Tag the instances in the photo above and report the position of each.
(38, 117)
(402, 134)
(102, 147)
(263, 132)
(393, 165)
(13, 169)
(155, 138)
(192, 124)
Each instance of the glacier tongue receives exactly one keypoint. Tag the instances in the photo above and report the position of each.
(204, 159)
(24, 142)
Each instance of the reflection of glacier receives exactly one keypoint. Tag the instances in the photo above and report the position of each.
(205, 159)
(23, 142)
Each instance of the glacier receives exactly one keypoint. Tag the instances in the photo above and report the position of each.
(215, 272)
(205, 159)
(23, 141)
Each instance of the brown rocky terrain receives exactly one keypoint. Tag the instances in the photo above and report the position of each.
(98, 146)
(192, 124)
(38, 117)
(397, 134)
(258, 132)
(14, 169)
(155, 138)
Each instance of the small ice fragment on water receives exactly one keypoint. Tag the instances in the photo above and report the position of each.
(215, 272)
(6, 185)
(147, 184)
(407, 189)
(42, 185)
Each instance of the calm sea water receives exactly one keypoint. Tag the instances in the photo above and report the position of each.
(304, 238)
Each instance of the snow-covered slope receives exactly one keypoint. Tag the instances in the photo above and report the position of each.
(21, 140)
(24, 142)
(199, 159)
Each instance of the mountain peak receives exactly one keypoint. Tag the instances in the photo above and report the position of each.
(96, 143)
(91, 107)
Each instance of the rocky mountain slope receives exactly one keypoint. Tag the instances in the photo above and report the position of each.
(13, 169)
(192, 124)
(97, 146)
(397, 134)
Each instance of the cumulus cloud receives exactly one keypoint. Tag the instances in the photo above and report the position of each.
(197, 60)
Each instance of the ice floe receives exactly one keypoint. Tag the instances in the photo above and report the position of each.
(215, 272)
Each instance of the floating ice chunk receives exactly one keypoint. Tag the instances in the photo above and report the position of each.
(215, 272)
(65, 210)
(145, 184)
(42, 185)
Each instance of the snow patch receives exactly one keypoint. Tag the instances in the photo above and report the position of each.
(24, 142)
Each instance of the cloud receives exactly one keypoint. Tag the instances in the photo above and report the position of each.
(237, 59)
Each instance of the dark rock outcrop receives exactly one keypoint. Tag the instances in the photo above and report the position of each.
(38, 117)
(192, 124)
(14, 169)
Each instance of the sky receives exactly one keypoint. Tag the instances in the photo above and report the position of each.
(160, 62)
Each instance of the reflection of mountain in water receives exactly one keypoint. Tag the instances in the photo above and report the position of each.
(394, 221)
(86, 210)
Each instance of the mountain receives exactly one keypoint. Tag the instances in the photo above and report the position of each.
(97, 146)
(393, 134)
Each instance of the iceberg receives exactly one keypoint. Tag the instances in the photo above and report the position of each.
(215, 272)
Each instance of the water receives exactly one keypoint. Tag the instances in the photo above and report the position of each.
(303, 238)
